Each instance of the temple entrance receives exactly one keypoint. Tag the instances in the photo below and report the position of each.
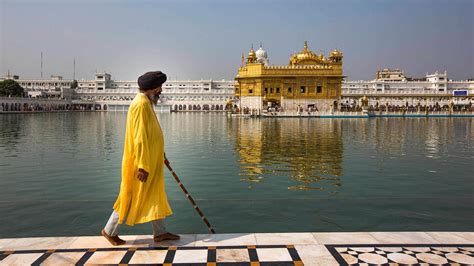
(272, 105)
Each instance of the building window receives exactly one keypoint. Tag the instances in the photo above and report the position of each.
(289, 89)
(278, 90)
(271, 90)
(319, 89)
(266, 90)
(303, 89)
(250, 91)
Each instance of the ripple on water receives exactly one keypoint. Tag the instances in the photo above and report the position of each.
(337, 174)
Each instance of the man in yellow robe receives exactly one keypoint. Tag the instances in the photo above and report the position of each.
(142, 195)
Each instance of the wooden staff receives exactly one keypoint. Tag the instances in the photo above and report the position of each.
(209, 226)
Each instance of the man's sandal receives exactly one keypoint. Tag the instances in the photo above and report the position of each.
(114, 240)
(165, 236)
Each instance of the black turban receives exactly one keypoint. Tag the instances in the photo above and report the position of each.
(151, 80)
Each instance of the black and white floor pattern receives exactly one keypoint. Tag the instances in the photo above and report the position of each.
(393, 254)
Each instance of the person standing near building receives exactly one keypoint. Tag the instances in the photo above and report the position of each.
(142, 196)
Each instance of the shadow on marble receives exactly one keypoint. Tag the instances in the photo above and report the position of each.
(225, 239)
(99, 242)
(147, 241)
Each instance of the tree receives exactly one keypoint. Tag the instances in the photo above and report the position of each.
(74, 84)
(10, 87)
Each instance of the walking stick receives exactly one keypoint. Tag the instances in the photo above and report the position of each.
(209, 226)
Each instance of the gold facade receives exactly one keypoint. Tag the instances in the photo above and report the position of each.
(308, 80)
(306, 155)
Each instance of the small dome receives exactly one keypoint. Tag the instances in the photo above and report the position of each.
(252, 53)
(261, 54)
(251, 56)
(336, 53)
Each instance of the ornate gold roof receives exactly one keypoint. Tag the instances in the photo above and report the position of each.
(306, 57)
(251, 56)
(336, 53)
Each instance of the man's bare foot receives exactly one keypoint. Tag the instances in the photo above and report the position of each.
(114, 240)
(165, 236)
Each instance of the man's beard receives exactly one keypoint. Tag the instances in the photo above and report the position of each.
(154, 98)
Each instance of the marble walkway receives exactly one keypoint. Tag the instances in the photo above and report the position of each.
(389, 248)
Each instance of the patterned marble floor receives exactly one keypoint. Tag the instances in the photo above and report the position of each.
(431, 254)
(389, 248)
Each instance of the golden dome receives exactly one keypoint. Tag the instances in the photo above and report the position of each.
(251, 56)
(305, 55)
(252, 53)
(336, 53)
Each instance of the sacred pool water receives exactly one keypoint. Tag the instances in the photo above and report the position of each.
(60, 173)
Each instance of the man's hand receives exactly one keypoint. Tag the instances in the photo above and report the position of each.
(142, 175)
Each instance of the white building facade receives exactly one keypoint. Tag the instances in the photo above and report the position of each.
(218, 95)
(177, 95)
(434, 89)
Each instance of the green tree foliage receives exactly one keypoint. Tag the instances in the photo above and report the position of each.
(10, 87)
(74, 84)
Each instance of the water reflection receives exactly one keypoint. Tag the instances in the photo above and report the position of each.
(11, 134)
(307, 152)
(392, 138)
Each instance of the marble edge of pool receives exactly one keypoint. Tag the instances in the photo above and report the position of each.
(309, 238)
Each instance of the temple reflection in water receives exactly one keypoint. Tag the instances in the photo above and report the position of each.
(308, 154)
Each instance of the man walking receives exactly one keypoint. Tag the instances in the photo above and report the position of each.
(142, 195)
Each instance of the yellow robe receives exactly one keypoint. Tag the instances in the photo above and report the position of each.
(144, 148)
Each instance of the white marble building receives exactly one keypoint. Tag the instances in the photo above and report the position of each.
(177, 95)
(389, 86)
(399, 90)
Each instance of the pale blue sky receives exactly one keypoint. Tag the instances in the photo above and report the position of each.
(205, 39)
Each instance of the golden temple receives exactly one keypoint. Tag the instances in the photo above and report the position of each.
(308, 82)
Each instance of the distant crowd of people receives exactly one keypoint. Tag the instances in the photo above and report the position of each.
(392, 108)
(36, 107)
(409, 108)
